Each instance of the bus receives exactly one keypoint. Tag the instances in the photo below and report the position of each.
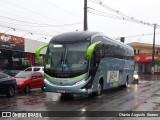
(86, 63)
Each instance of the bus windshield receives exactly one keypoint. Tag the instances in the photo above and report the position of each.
(67, 57)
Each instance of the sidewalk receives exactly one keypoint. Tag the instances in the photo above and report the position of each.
(149, 77)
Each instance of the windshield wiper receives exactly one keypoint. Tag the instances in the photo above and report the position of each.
(60, 63)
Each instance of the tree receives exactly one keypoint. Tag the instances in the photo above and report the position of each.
(157, 62)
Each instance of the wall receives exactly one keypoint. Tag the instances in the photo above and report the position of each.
(32, 45)
(144, 48)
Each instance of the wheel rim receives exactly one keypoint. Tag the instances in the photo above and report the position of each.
(27, 88)
(11, 91)
(99, 89)
(126, 83)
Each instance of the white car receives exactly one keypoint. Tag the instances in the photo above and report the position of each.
(35, 68)
(135, 77)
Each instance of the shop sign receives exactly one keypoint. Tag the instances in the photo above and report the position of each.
(145, 57)
(11, 42)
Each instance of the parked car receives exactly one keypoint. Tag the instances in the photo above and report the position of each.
(35, 68)
(11, 72)
(136, 77)
(27, 80)
(7, 85)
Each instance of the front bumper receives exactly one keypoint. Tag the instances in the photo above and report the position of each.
(73, 89)
(21, 87)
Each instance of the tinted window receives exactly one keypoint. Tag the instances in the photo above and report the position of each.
(99, 52)
(5, 76)
(36, 69)
(34, 75)
(98, 38)
(23, 75)
(39, 75)
(28, 69)
(2, 75)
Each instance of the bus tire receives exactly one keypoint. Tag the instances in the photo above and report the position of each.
(100, 88)
(126, 83)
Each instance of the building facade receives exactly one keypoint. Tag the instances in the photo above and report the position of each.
(18, 53)
(143, 57)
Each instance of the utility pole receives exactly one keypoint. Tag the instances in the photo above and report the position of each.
(85, 16)
(153, 49)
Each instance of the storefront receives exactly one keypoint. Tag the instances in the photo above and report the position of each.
(143, 63)
(17, 52)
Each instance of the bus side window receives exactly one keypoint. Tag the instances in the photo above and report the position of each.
(99, 38)
(99, 52)
(106, 50)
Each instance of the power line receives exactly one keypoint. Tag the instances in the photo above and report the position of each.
(104, 14)
(32, 29)
(36, 24)
(125, 17)
(101, 13)
(51, 3)
(36, 13)
(24, 30)
(139, 35)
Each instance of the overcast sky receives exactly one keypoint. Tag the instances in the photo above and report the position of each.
(46, 18)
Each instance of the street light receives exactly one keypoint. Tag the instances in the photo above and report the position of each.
(9, 30)
(153, 49)
(27, 34)
(41, 38)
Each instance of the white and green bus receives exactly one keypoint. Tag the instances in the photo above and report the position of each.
(86, 63)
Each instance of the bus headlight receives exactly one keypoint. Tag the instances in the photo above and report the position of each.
(47, 82)
(80, 82)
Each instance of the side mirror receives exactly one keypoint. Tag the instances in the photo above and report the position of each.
(91, 49)
(39, 50)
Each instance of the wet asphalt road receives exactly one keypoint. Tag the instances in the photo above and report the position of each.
(142, 97)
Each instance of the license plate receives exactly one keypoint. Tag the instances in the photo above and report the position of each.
(61, 91)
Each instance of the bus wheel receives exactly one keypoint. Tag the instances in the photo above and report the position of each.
(126, 83)
(99, 89)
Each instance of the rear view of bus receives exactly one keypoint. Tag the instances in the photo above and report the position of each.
(85, 63)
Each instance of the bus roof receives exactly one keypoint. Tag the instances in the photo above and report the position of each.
(120, 43)
(82, 36)
(72, 37)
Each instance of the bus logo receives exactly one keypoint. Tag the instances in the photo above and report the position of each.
(61, 83)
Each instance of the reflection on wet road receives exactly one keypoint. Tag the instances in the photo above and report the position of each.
(142, 97)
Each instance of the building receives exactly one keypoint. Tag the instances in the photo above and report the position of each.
(18, 53)
(143, 57)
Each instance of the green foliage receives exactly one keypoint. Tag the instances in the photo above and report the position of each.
(157, 61)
